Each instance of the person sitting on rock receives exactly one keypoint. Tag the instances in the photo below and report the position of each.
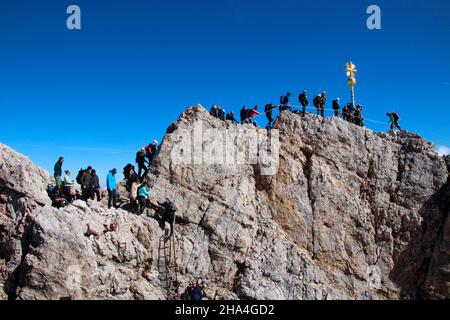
(58, 199)
(143, 194)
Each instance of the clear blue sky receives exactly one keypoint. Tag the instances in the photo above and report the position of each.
(97, 95)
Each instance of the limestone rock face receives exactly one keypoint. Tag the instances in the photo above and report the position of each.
(333, 211)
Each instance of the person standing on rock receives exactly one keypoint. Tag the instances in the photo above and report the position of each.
(336, 107)
(303, 98)
(322, 103)
(284, 102)
(316, 102)
(133, 181)
(268, 110)
(57, 171)
(111, 185)
(151, 149)
(244, 114)
(85, 182)
(357, 115)
(95, 185)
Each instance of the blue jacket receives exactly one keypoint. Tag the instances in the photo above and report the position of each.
(143, 192)
(111, 183)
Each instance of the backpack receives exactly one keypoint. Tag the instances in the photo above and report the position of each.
(395, 116)
(79, 175)
(171, 207)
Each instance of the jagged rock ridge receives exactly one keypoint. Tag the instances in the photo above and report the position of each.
(350, 214)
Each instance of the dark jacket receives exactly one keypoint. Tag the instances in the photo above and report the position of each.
(95, 182)
(268, 109)
(230, 117)
(336, 105)
(221, 114)
(140, 158)
(58, 169)
(303, 98)
(86, 179)
(244, 113)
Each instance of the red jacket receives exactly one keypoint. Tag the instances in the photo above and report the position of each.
(252, 113)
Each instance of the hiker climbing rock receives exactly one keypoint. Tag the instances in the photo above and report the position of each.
(268, 110)
(221, 113)
(303, 98)
(141, 160)
(143, 194)
(244, 114)
(168, 214)
(57, 174)
(151, 151)
(393, 119)
(111, 185)
(336, 107)
(284, 102)
(230, 117)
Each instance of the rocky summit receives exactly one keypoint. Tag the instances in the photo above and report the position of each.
(332, 211)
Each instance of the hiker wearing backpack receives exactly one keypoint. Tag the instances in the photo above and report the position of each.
(268, 110)
(141, 160)
(84, 179)
(111, 185)
(284, 102)
(336, 107)
(322, 103)
(393, 119)
(57, 171)
(143, 194)
(303, 98)
(244, 114)
(95, 185)
(168, 213)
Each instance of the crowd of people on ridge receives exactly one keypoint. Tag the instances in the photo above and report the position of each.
(348, 112)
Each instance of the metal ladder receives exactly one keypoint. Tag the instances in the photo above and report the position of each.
(167, 264)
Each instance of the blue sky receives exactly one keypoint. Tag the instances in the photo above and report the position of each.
(98, 94)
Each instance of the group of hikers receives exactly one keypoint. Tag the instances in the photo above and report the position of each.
(348, 112)
(64, 191)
